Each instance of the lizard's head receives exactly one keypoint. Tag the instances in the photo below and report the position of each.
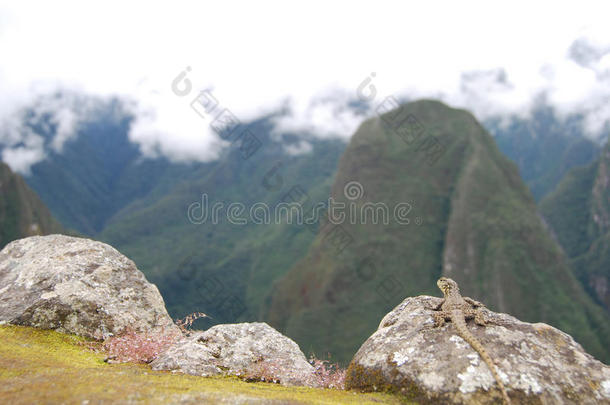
(447, 286)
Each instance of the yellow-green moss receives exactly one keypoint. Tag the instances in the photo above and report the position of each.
(366, 380)
(39, 365)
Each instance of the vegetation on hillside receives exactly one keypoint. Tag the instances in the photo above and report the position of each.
(225, 269)
(21, 211)
(578, 211)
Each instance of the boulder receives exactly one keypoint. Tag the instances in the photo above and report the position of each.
(537, 363)
(251, 350)
(79, 286)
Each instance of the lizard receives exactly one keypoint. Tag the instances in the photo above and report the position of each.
(458, 310)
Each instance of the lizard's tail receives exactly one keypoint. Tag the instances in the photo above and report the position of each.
(460, 325)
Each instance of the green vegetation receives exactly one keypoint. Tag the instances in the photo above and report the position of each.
(21, 211)
(223, 269)
(45, 366)
(480, 227)
(579, 213)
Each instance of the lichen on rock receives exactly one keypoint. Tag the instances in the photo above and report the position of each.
(79, 286)
(252, 350)
(536, 362)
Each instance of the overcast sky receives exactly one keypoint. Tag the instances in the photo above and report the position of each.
(311, 57)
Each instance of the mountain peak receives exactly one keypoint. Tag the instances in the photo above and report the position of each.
(470, 217)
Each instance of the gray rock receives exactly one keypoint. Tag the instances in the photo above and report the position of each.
(79, 286)
(252, 350)
(537, 363)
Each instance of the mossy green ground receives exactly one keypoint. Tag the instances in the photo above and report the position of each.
(40, 366)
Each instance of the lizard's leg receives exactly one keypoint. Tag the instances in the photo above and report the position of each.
(476, 314)
(474, 303)
(439, 318)
(479, 317)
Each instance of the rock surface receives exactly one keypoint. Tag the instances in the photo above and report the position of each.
(79, 286)
(537, 363)
(253, 350)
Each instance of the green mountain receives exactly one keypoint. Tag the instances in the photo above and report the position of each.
(472, 218)
(224, 268)
(578, 211)
(22, 213)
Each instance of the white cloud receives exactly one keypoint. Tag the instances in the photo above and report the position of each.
(260, 56)
(299, 148)
(327, 114)
(49, 113)
(22, 149)
(65, 120)
(167, 126)
(21, 159)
